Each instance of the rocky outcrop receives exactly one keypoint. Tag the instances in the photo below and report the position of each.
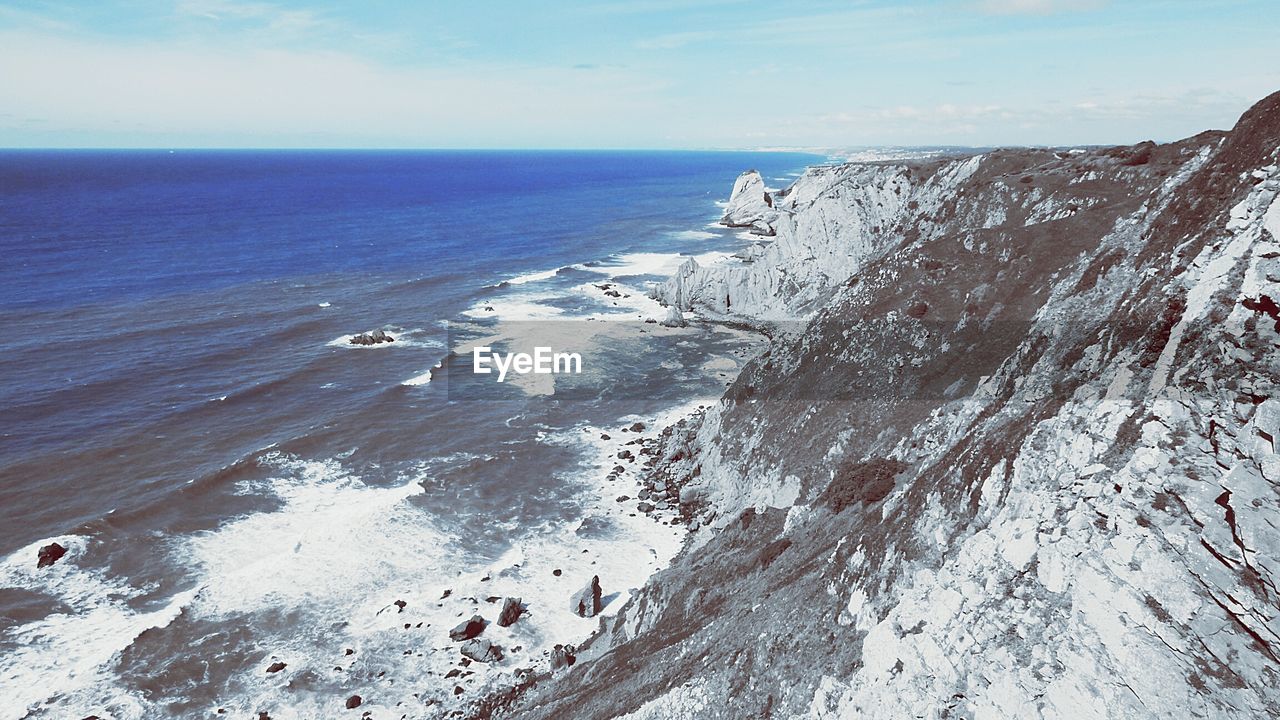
(1020, 463)
(481, 650)
(467, 629)
(376, 337)
(511, 611)
(586, 602)
(750, 205)
(49, 554)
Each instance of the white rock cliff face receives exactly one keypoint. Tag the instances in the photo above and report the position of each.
(824, 228)
(1022, 461)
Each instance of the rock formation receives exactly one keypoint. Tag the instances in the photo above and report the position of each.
(481, 650)
(1019, 460)
(49, 554)
(586, 602)
(376, 337)
(467, 629)
(511, 611)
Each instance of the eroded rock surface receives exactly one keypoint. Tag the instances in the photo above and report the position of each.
(1053, 493)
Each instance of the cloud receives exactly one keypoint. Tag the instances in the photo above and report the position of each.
(176, 93)
(1038, 7)
(264, 15)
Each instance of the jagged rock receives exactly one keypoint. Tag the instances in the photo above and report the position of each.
(353, 702)
(373, 338)
(511, 611)
(482, 650)
(586, 602)
(276, 667)
(637, 427)
(749, 204)
(49, 554)
(674, 317)
(562, 656)
(467, 629)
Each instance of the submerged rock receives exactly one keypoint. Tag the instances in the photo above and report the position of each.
(512, 609)
(50, 554)
(467, 629)
(586, 602)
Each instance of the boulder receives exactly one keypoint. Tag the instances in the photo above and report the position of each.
(586, 602)
(467, 629)
(481, 650)
(49, 554)
(512, 609)
(674, 317)
(637, 427)
(276, 667)
(374, 338)
(353, 702)
(644, 507)
(562, 656)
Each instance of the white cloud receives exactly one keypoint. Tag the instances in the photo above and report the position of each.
(1038, 7)
(175, 93)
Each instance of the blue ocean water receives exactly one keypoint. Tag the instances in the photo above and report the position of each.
(232, 478)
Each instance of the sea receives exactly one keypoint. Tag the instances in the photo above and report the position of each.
(238, 485)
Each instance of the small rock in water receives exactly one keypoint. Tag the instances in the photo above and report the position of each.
(353, 702)
(482, 650)
(350, 652)
(457, 689)
(511, 611)
(447, 593)
(467, 629)
(605, 436)
(637, 427)
(49, 554)
(400, 604)
(276, 667)
(586, 602)
(644, 507)
(556, 572)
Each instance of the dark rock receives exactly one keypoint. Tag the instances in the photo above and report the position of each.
(400, 604)
(586, 602)
(353, 702)
(562, 656)
(262, 715)
(644, 507)
(467, 629)
(637, 427)
(623, 498)
(276, 667)
(446, 594)
(453, 673)
(556, 572)
(350, 652)
(511, 611)
(374, 338)
(482, 650)
(605, 436)
(457, 689)
(625, 455)
(49, 554)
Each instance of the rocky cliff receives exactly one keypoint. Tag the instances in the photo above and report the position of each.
(1017, 459)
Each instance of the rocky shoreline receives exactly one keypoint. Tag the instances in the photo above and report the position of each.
(1019, 462)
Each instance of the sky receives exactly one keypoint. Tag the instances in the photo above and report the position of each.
(628, 73)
